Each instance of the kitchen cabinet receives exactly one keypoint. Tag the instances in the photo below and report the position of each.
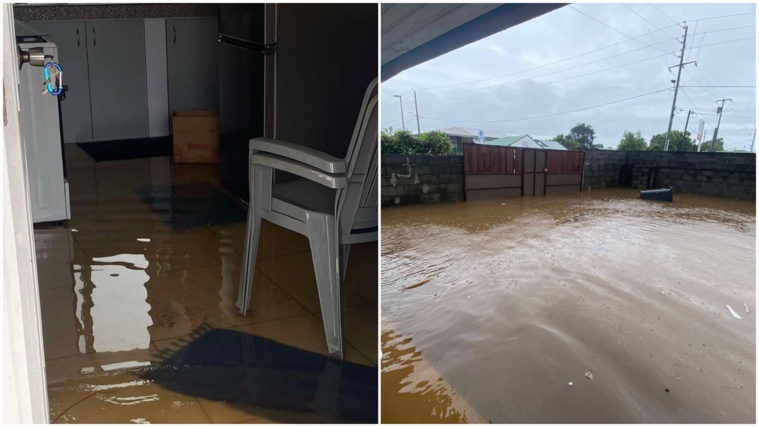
(70, 38)
(118, 80)
(192, 55)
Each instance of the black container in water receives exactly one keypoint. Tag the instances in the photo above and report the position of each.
(661, 194)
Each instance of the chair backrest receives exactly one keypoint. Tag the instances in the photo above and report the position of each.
(357, 205)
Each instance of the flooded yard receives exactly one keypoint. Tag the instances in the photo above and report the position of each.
(586, 307)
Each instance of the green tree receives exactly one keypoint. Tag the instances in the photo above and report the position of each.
(632, 142)
(403, 142)
(677, 142)
(433, 142)
(584, 134)
(398, 142)
(569, 144)
(718, 146)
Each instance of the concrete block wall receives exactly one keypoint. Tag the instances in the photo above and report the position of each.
(416, 179)
(602, 168)
(435, 179)
(731, 175)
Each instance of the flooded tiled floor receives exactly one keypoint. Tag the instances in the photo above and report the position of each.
(587, 307)
(139, 323)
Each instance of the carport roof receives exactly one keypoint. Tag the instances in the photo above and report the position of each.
(415, 33)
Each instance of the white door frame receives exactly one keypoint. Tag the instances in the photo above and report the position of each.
(24, 382)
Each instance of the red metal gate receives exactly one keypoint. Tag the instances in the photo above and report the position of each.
(563, 171)
(492, 172)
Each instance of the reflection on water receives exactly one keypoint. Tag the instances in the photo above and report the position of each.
(427, 396)
(510, 301)
(118, 312)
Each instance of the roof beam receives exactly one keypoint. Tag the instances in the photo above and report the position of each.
(417, 49)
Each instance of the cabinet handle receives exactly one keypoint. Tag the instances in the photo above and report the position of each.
(94, 37)
(77, 37)
(175, 34)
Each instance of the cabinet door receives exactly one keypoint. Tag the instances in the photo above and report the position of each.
(71, 39)
(118, 81)
(192, 52)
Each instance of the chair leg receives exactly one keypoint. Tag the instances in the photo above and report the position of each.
(323, 238)
(261, 179)
(344, 252)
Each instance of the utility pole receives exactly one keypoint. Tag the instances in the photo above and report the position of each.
(677, 86)
(753, 139)
(403, 122)
(719, 119)
(686, 122)
(418, 129)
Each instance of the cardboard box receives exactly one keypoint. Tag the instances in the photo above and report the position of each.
(196, 136)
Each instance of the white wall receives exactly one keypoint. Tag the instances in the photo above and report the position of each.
(158, 81)
(24, 384)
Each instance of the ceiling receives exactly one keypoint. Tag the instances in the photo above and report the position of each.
(415, 33)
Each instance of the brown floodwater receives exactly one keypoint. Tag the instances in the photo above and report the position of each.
(587, 307)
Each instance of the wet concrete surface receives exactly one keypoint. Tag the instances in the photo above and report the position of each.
(588, 307)
(137, 294)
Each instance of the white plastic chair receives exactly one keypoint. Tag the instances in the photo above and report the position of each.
(334, 204)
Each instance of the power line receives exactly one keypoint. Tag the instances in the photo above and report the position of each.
(725, 29)
(730, 116)
(393, 105)
(728, 41)
(693, 40)
(399, 120)
(722, 16)
(694, 106)
(644, 19)
(558, 71)
(614, 29)
(550, 115)
(668, 17)
(542, 75)
(723, 86)
(554, 63)
(711, 93)
(544, 83)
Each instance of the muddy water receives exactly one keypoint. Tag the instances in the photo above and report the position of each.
(588, 307)
(139, 322)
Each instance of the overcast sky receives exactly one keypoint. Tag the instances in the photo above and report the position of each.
(502, 82)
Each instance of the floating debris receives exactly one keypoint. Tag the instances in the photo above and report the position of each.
(747, 310)
(140, 421)
(735, 315)
(93, 387)
(423, 282)
(589, 375)
(664, 291)
(570, 383)
(135, 400)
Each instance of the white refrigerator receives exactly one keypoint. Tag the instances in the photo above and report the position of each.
(41, 132)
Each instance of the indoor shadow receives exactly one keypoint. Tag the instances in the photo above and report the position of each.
(269, 379)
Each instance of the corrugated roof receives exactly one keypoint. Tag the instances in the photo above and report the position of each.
(523, 141)
(553, 145)
(469, 132)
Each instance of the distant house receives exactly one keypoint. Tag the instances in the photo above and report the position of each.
(526, 141)
(459, 136)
